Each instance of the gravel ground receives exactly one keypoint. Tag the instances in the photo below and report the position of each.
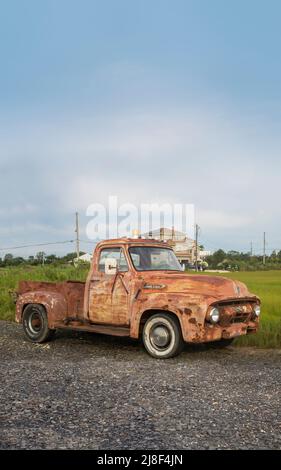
(85, 391)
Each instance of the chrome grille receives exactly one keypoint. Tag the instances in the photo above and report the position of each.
(235, 312)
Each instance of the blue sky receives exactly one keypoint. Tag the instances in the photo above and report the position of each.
(175, 101)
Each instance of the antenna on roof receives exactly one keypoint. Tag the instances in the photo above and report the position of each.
(135, 233)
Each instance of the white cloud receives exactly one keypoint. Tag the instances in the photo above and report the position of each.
(227, 167)
(18, 209)
(222, 220)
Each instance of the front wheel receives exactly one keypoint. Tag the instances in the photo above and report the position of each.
(162, 336)
(35, 323)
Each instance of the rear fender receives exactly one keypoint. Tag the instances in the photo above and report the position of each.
(54, 303)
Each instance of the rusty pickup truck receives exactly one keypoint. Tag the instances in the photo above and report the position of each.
(137, 288)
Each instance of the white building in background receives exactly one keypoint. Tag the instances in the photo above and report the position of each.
(184, 247)
(86, 258)
(204, 253)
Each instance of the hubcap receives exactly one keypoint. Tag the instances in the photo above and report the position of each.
(34, 322)
(160, 336)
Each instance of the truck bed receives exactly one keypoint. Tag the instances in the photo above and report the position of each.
(64, 286)
(72, 291)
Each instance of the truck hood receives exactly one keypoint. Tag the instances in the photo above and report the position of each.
(206, 286)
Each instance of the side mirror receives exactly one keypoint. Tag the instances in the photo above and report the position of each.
(110, 266)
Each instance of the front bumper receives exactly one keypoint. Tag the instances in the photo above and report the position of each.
(217, 332)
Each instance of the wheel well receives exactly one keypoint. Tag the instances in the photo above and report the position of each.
(31, 303)
(148, 313)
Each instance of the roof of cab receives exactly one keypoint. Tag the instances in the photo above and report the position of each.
(132, 241)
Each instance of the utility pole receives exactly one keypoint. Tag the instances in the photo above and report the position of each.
(196, 246)
(263, 248)
(251, 249)
(77, 236)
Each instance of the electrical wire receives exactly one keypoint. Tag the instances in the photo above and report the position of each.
(35, 244)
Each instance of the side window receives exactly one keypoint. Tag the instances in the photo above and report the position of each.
(116, 253)
(108, 253)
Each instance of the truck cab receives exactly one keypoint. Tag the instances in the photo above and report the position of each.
(137, 288)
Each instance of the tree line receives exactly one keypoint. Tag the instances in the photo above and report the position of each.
(40, 258)
(239, 261)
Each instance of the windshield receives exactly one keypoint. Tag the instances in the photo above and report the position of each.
(148, 258)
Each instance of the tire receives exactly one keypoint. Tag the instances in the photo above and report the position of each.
(222, 343)
(35, 324)
(162, 337)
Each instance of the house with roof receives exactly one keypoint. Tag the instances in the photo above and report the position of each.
(183, 246)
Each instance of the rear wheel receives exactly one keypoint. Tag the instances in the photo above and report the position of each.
(162, 336)
(35, 324)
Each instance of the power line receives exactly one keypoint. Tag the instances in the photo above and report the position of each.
(35, 244)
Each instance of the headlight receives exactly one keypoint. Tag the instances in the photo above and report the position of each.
(214, 315)
(257, 310)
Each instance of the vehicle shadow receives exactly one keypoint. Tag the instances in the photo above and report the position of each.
(113, 343)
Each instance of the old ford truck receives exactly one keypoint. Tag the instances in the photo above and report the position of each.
(137, 288)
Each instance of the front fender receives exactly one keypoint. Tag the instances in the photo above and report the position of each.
(190, 311)
(54, 303)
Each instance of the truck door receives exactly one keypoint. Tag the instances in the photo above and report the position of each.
(109, 289)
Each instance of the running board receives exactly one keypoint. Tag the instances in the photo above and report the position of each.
(97, 328)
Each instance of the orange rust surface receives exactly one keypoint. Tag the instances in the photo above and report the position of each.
(122, 300)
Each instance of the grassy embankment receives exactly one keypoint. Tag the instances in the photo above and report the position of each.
(266, 284)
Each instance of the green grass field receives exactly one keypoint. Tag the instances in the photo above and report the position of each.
(265, 284)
